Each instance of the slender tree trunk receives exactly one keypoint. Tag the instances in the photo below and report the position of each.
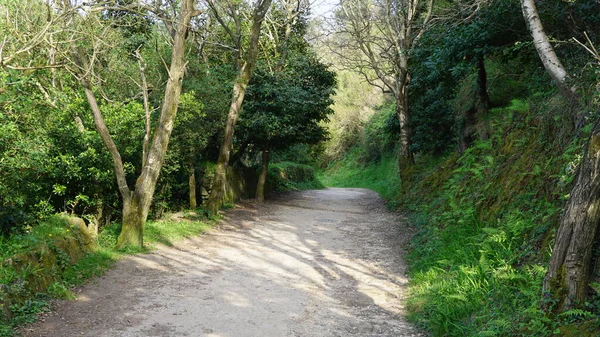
(192, 184)
(136, 213)
(545, 50)
(571, 262)
(481, 104)
(405, 156)
(262, 179)
(217, 192)
(484, 98)
(144, 88)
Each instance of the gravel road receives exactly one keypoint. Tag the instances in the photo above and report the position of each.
(313, 263)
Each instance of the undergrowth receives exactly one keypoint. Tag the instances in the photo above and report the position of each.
(380, 176)
(290, 176)
(24, 303)
(486, 221)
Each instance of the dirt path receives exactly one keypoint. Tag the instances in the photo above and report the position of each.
(314, 263)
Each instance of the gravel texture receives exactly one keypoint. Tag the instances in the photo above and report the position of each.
(313, 263)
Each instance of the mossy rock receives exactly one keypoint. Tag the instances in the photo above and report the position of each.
(42, 265)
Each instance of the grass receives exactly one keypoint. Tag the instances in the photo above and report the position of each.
(13, 282)
(486, 223)
(289, 176)
(478, 263)
(380, 176)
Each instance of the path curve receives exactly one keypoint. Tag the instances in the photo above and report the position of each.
(313, 263)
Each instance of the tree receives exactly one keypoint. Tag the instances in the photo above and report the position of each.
(378, 38)
(544, 49)
(572, 260)
(136, 202)
(244, 75)
(467, 38)
(285, 108)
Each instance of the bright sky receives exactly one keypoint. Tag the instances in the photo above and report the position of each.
(323, 7)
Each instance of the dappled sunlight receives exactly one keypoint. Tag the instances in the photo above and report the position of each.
(292, 271)
(236, 299)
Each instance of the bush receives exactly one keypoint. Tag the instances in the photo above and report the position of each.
(287, 176)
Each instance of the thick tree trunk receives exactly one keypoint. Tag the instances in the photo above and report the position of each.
(262, 179)
(192, 184)
(217, 192)
(133, 233)
(571, 263)
(545, 50)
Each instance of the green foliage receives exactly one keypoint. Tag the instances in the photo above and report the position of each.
(380, 176)
(25, 304)
(285, 108)
(355, 102)
(371, 162)
(286, 176)
(380, 133)
(478, 263)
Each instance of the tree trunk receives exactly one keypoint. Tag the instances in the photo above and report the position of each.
(484, 99)
(192, 184)
(144, 88)
(544, 49)
(571, 262)
(217, 192)
(135, 210)
(262, 179)
(132, 234)
(405, 156)
(481, 104)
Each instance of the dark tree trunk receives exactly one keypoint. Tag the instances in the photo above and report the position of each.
(237, 157)
(572, 261)
(262, 179)
(192, 186)
(484, 98)
(482, 103)
(405, 156)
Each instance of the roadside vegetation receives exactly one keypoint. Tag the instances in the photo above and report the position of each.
(28, 289)
(469, 116)
(498, 154)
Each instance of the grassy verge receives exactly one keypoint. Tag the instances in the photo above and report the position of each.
(14, 283)
(289, 176)
(380, 176)
(487, 220)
